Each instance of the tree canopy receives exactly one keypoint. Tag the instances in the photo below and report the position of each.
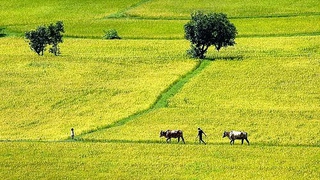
(38, 39)
(55, 36)
(43, 36)
(204, 30)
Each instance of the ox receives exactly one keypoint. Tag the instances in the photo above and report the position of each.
(172, 134)
(233, 135)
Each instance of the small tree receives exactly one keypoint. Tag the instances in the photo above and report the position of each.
(42, 36)
(204, 30)
(38, 39)
(111, 34)
(55, 37)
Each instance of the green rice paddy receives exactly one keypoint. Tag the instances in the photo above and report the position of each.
(119, 94)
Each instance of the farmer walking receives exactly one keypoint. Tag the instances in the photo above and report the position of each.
(200, 132)
(72, 133)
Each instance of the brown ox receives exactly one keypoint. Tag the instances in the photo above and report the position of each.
(233, 135)
(172, 134)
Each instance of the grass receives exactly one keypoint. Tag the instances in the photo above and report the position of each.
(173, 29)
(144, 20)
(234, 8)
(268, 86)
(91, 84)
(24, 12)
(119, 94)
(151, 161)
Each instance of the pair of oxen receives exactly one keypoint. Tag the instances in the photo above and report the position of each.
(232, 135)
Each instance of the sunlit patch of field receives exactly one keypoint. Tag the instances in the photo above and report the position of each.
(234, 8)
(63, 160)
(24, 12)
(92, 84)
(278, 27)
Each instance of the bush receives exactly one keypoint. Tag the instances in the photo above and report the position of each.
(111, 34)
(2, 33)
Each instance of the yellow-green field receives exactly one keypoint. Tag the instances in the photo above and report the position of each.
(94, 83)
(119, 94)
(62, 160)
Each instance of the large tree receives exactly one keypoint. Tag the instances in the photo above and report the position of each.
(204, 30)
(43, 36)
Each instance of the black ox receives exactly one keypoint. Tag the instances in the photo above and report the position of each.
(233, 135)
(172, 134)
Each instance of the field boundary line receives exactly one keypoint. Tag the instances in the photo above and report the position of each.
(161, 101)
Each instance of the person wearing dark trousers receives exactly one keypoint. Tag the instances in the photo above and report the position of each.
(200, 132)
(72, 133)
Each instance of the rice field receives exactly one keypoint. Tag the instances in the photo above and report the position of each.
(272, 92)
(234, 8)
(118, 95)
(61, 160)
(151, 19)
(87, 87)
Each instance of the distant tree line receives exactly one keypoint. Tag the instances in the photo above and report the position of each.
(39, 38)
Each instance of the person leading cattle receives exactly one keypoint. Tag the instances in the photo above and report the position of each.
(200, 132)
